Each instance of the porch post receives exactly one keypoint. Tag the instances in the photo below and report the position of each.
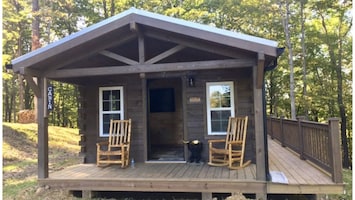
(145, 115)
(335, 149)
(259, 127)
(42, 120)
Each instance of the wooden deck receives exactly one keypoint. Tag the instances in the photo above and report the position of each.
(303, 177)
(180, 177)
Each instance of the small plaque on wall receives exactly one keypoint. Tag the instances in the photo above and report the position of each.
(194, 100)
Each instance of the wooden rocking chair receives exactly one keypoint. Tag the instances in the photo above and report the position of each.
(116, 149)
(234, 145)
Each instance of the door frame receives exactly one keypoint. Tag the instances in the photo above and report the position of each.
(146, 105)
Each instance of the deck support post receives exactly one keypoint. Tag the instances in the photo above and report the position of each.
(42, 120)
(206, 195)
(87, 194)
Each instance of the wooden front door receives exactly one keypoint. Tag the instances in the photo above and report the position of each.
(165, 120)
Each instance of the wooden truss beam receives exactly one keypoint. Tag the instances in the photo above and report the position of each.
(118, 57)
(195, 44)
(34, 86)
(149, 68)
(165, 54)
(88, 53)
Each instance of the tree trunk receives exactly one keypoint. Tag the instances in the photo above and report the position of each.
(286, 18)
(342, 112)
(344, 141)
(304, 63)
(35, 39)
(7, 101)
(337, 65)
(21, 91)
(112, 7)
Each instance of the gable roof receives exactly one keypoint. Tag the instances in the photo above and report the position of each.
(41, 57)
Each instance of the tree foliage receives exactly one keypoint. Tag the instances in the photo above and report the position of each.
(319, 31)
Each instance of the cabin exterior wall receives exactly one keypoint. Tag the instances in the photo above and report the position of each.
(194, 122)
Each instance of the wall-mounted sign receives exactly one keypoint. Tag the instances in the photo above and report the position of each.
(194, 100)
(50, 97)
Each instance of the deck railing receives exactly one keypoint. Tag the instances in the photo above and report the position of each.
(316, 142)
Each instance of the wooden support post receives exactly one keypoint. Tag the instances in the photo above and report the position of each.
(301, 136)
(87, 194)
(206, 196)
(260, 70)
(145, 114)
(334, 146)
(42, 120)
(185, 115)
(259, 134)
(141, 48)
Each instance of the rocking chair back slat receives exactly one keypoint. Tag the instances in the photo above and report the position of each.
(236, 130)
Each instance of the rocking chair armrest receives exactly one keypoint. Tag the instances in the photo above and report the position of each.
(101, 143)
(125, 145)
(235, 142)
(216, 141)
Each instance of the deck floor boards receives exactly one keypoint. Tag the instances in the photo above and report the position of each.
(302, 176)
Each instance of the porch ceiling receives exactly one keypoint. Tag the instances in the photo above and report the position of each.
(136, 41)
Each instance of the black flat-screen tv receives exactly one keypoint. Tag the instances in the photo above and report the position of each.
(162, 100)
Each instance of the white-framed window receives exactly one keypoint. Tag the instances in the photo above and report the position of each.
(220, 106)
(111, 107)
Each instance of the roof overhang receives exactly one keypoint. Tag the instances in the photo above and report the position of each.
(98, 37)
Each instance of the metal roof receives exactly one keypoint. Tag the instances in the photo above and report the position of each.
(28, 59)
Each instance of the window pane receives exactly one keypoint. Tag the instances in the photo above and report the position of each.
(116, 95)
(219, 120)
(106, 121)
(106, 95)
(226, 102)
(116, 106)
(219, 96)
(106, 106)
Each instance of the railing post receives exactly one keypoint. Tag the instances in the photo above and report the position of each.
(271, 118)
(282, 136)
(334, 147)
(301, 136)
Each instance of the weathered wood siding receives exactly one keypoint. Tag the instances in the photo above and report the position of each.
(195, 123)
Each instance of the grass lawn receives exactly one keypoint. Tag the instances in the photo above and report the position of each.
(20, 159)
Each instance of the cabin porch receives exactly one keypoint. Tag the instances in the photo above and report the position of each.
(303, 177)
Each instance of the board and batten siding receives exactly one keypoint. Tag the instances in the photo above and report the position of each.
(195, 122)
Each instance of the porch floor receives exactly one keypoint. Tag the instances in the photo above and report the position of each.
(180, 177)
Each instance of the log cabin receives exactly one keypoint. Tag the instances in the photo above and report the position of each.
(162, 72)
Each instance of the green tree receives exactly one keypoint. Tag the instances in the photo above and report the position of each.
(16, 41)
(334, 25)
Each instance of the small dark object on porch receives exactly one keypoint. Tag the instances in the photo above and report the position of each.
(195, 148)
